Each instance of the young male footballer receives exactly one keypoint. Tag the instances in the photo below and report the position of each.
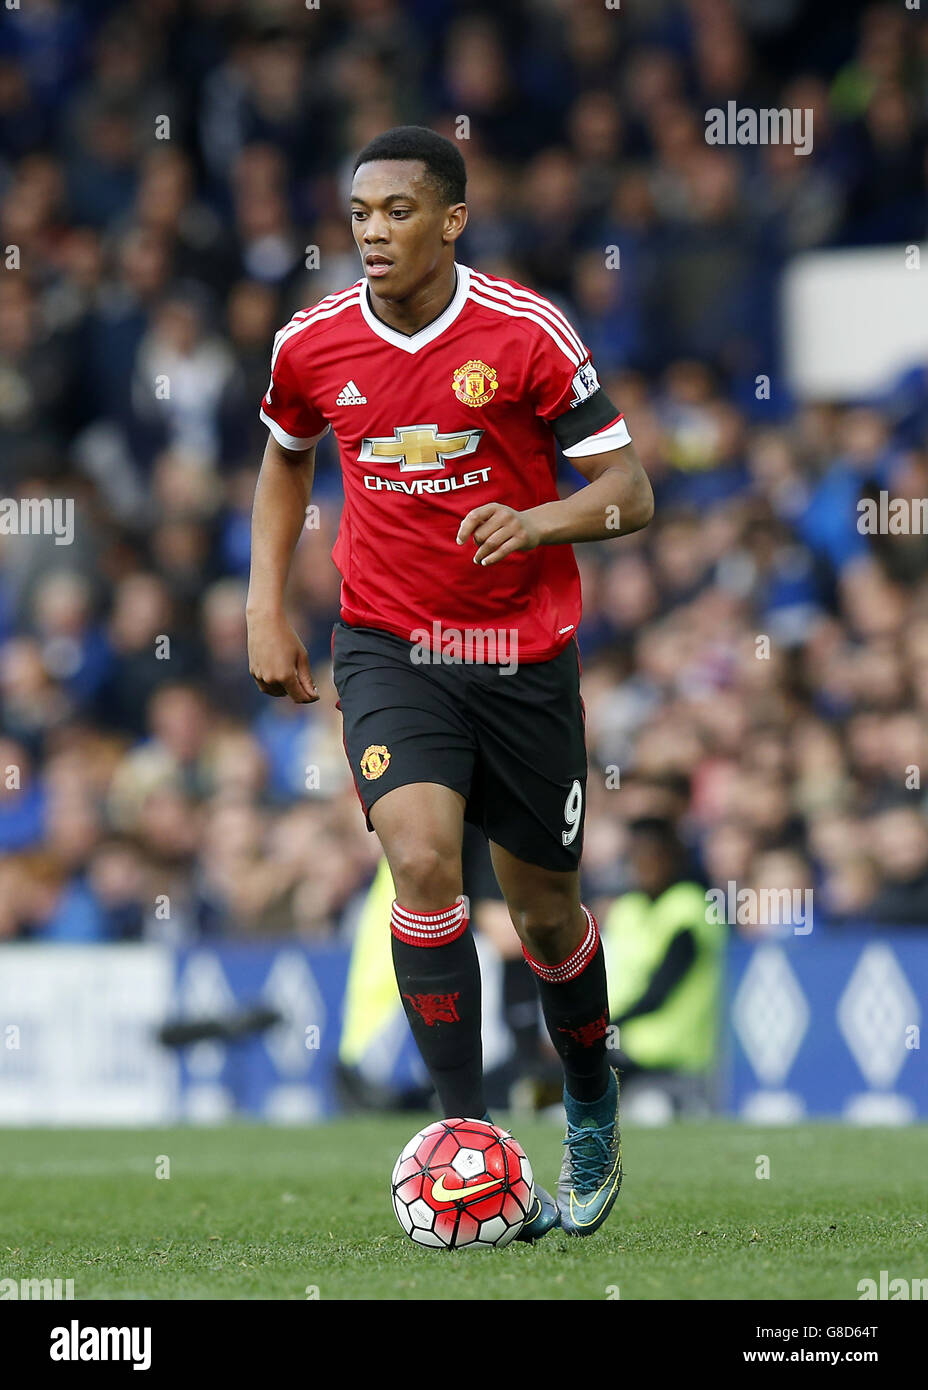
(448, 391)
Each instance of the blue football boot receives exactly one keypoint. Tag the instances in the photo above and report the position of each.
(591, 1173)
(544, 1215)
(542, 1218)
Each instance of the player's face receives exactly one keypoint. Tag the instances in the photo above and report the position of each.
(403, 230)
(652, 864)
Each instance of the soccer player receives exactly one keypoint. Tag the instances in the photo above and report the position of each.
(455, 659)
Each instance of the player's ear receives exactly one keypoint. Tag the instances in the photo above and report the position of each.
(455, 222)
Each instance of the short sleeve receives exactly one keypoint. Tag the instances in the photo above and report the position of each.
(568, 395)
(292, 419)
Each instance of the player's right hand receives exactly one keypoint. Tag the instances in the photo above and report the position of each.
(277, 660)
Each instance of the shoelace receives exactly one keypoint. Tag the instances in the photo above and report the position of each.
(589, 1153)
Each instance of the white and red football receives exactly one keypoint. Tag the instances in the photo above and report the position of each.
(462, 1184)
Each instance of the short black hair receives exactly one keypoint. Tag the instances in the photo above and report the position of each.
(658, 830)
(443, 160)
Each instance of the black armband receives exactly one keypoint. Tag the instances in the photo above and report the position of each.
(587, 418)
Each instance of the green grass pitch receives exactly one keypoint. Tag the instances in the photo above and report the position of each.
(255, 1212)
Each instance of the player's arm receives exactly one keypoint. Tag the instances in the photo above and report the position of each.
(616, 501)
(565, 390)
(277, 658)
(681, 954)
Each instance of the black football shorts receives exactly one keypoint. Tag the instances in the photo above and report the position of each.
(512, 744)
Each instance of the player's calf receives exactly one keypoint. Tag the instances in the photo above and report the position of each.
(438, 975)
(574, 999)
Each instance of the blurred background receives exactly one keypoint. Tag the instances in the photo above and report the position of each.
(177, 848)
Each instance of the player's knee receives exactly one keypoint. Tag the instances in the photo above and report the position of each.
(543, 927)
(426, 876)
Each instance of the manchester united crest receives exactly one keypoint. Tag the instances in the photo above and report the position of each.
(375, 761)
(474, 383)
(436, 1008)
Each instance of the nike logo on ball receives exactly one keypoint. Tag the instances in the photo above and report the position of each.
(440, 1193)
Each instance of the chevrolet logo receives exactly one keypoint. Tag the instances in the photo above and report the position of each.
(420, 447)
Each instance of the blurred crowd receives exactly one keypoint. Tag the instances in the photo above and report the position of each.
(172, 186)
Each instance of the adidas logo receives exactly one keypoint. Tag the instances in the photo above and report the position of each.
(350, 395)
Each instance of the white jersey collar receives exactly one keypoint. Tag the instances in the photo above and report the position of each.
(412, 342)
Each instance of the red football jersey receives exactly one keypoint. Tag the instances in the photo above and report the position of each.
(431, 424)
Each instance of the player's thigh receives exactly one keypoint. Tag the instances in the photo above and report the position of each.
(412, 752)
(401, 724)
(531, 761)
(420, 826)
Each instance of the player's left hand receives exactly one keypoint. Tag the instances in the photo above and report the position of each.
(498, 531)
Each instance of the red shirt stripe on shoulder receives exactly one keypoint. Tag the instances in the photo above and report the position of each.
(519, 294)
(524, 311)
(326, 308)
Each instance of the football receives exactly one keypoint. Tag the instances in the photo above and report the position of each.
(462, 1184)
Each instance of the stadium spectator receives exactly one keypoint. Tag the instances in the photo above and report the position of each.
(664, 948)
